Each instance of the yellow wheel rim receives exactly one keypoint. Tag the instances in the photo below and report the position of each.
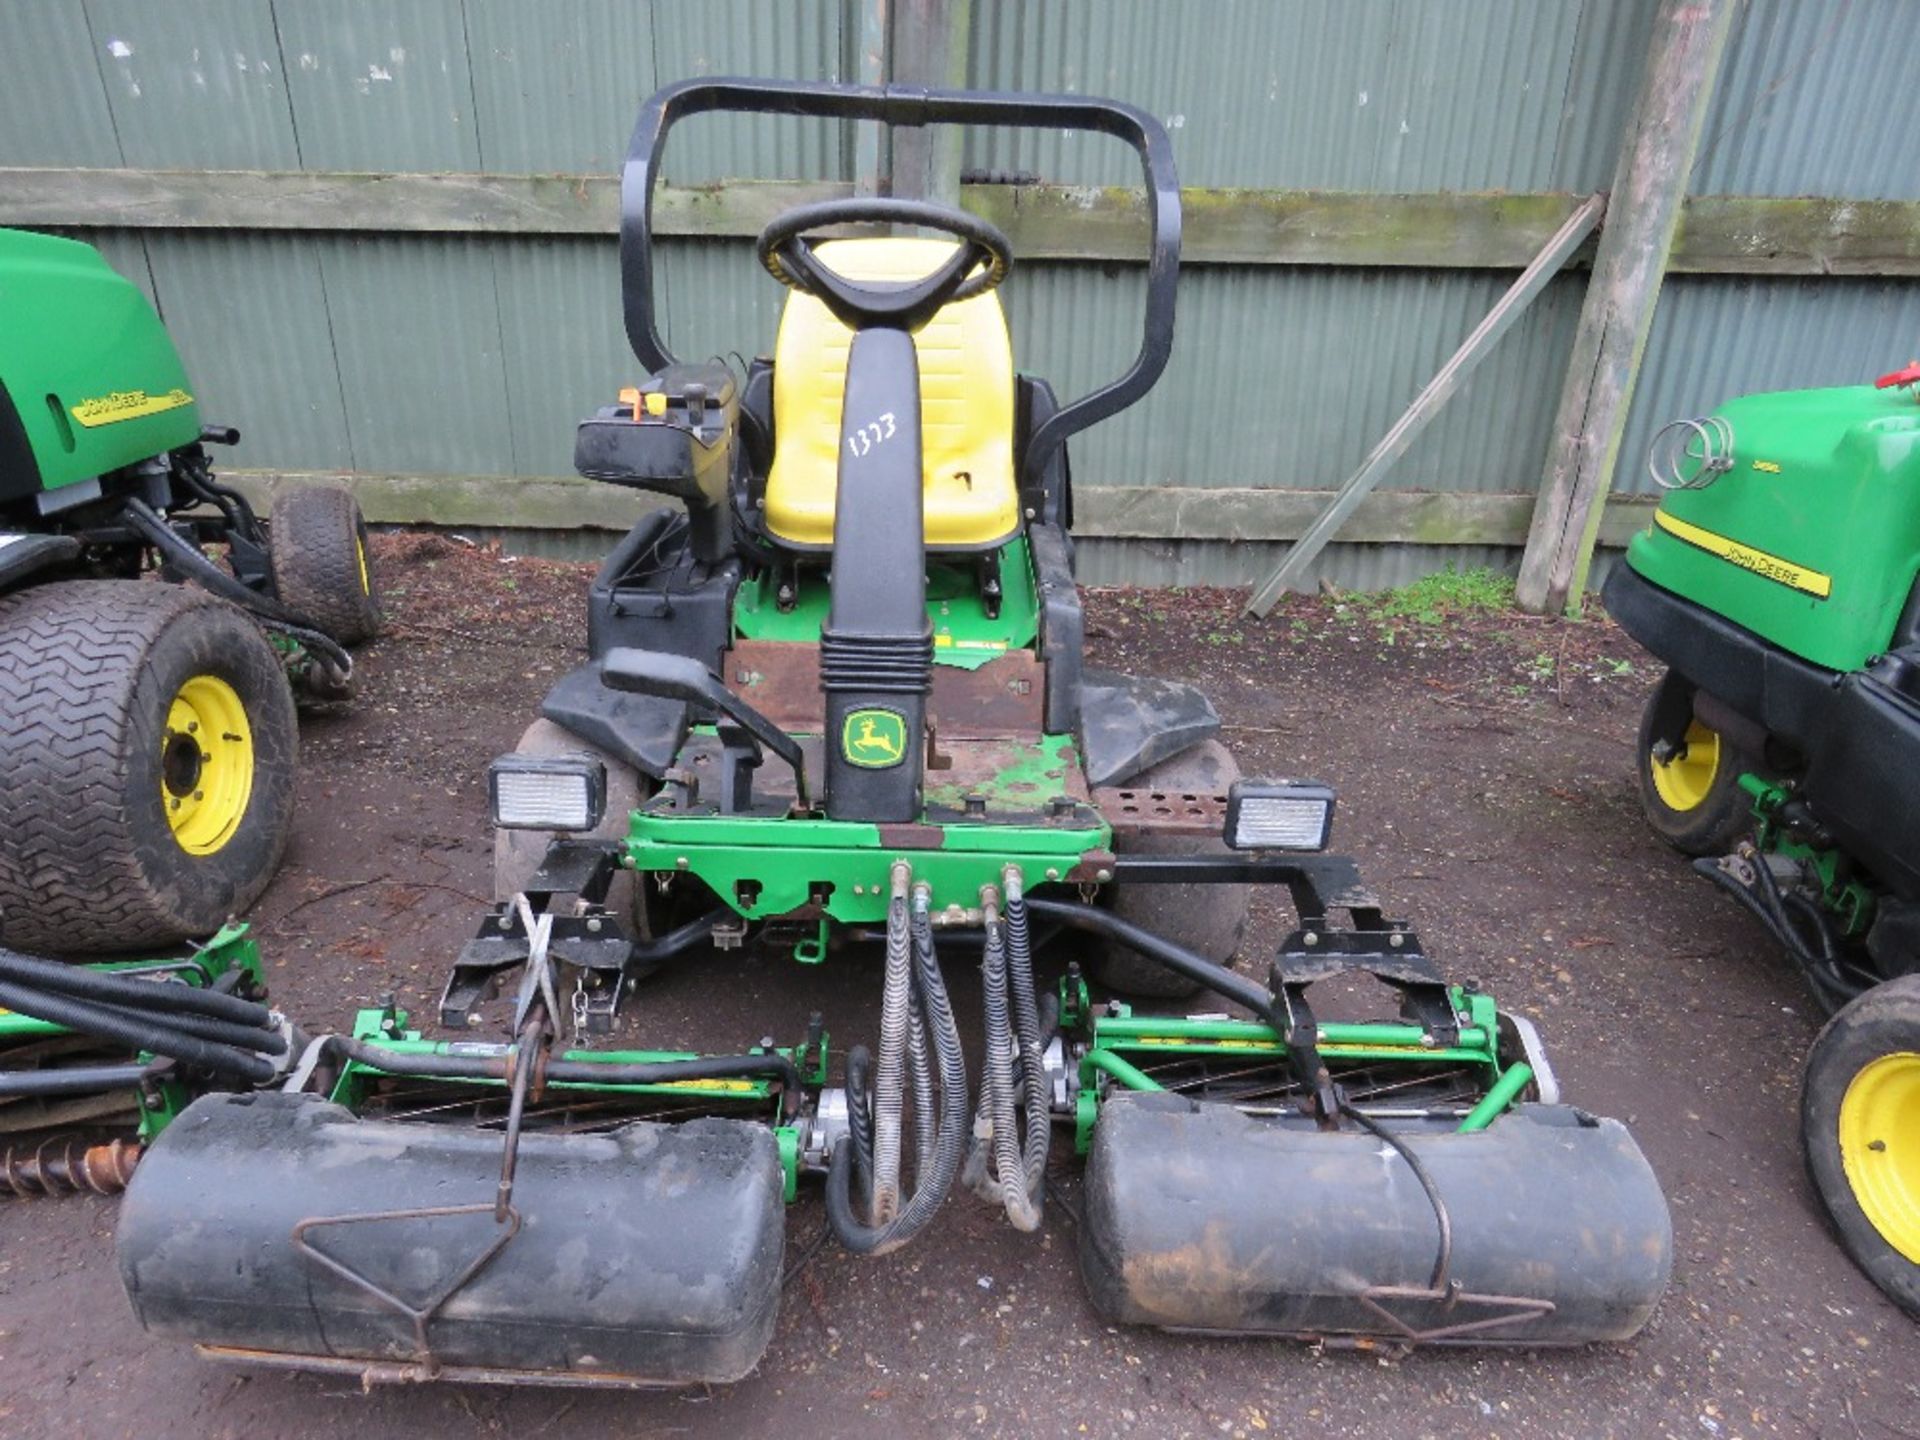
(1880, 1147)
(360, 554)
(206, 764)
(1684, 782)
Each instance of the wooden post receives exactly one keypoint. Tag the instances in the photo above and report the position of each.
(930, 50)
(869, 136)
(1650, 181)
(1292, 572)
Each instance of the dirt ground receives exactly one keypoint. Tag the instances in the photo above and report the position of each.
(1485, 786)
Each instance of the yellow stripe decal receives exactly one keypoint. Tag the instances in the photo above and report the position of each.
(710, 1087)
(1771, 567)
(127, 405)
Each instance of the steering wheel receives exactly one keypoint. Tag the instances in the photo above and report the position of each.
(787, 253)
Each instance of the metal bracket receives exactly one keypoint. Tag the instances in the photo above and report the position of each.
(1390, 952)
(420, 1316)
(595, 941)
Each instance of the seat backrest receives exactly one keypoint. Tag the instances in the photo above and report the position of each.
(966, 407)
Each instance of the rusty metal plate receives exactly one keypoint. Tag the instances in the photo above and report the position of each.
(1003, 773)
(1001, 700)
(781, 680)
(1133, 812)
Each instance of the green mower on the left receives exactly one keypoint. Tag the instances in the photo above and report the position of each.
(148, 748)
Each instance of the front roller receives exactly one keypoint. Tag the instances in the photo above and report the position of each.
(275, 1227)
(1200, 1217)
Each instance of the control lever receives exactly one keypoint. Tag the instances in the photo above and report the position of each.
(679, 677)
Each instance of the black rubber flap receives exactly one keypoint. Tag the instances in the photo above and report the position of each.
(1131, 722)
(1200, 1217)
(650, 1253)
(644, 730)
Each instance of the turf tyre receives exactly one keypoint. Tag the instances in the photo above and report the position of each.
(1696, 813)
(1210, 920)
(88, 670)
(1881, 1025)
(318, 544)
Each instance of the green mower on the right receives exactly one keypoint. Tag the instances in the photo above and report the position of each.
(1780, 583)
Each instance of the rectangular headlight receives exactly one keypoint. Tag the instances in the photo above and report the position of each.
(547, 792)
(1279, 815)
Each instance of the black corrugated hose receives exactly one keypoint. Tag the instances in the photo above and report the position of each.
(222, 1034)
(932, 1185)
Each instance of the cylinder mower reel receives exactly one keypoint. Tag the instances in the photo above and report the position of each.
(840, 708)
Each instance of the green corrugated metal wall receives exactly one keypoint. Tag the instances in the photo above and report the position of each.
(474, 355)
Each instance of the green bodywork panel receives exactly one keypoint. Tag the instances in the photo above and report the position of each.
(230, 949)
(1122, 1046)
(387, 1028)
(87, 365)
(964, 635)
(1827, 481)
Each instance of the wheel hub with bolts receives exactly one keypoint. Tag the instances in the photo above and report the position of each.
(206, 766)
(1684, 775)
(1877, 1118)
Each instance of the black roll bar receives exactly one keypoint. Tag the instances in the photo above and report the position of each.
(914, 106)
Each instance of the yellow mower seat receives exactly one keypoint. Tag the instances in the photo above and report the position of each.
(966, 407)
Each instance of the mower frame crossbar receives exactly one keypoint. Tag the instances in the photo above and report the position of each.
(772, 867)
(490, 1066)
(1121, 1042)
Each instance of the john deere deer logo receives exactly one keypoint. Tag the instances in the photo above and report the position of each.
(875, 739)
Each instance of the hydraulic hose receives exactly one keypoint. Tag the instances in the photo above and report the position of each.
(157, 533)
(1013, 1088)
(156, 1035)
(201, 1027)
(1830, 991)
(860, 1118)
(993, 1127)
(71, 1080)
(1176, 958)
(1828, 961)
(1038, 1137)
(920, 1072)
(108, 988)
(889, 1081)
(930, 1188)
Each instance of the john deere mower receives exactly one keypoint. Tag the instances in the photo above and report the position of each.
(147, 749)
(840, 705)
(147, 759)
(1782, 749)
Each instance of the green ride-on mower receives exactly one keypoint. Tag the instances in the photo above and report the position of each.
(841, 704)
(146, 766)
(148, 746)
(1780, 583)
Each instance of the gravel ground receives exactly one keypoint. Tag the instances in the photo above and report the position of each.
(1484, 766)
